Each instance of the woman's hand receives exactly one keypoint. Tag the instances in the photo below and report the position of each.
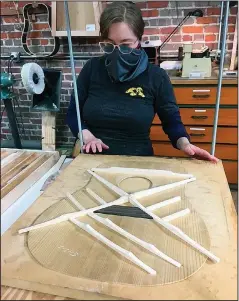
(194, 151)
(91, 143)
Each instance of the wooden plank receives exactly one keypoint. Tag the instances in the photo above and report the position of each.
(24, 195)
(17, 169)
(6, 153)
(81, 14)
(78, 33)
(22, 175)
(97, 6)
(39, 168)
(234, 49)
(3, 154)
(48, 131)
(9, 158)
(40, 151)
(10, 165)
(53, 18)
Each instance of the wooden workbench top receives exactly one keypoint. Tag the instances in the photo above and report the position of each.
(205, 81)
(210, 197)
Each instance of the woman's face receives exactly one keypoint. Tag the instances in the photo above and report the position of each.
(121, 33)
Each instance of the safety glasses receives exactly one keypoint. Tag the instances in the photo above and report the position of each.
(108, 47)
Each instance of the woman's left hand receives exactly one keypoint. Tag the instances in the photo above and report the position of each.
(195, 152)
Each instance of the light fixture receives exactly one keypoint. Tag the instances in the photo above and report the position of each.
(196, 13)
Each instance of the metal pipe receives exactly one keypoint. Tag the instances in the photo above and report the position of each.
(220, 27)
(68, 29)
(223, 50)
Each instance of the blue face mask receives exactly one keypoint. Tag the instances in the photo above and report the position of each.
(125, 67)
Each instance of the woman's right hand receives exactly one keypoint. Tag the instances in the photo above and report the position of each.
(91, 143)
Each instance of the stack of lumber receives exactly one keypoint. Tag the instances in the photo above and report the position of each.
(20, 169)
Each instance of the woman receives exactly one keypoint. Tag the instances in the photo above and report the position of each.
(120, 92)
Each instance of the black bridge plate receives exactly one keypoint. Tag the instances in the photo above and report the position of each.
(124, 211)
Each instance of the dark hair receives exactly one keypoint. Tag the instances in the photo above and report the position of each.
(126, 12)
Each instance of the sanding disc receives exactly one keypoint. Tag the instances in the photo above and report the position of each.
(33, 78)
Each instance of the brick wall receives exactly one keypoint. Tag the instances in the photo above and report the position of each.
(160, 17)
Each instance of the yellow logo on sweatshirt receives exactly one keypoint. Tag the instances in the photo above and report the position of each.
(135, 92)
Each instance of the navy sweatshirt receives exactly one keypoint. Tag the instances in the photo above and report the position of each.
(121, 114)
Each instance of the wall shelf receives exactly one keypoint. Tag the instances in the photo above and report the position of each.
(84, 19)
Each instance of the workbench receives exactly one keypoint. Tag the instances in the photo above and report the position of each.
(209, 195)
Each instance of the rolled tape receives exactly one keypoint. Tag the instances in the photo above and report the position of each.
(33, 78)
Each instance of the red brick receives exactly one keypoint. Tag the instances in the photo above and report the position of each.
(166, 30)
(66, 84)
(40, 26)
(211, 45)
(230, 37)
(233, 10)
(150, 31)
(231, 20)
(3, 35)
(145, 38)
(10, 20)
(162, 38)
(231, 28)
(229, 46)
(68, 77)
(213, 11)
(210, 38)
(68, 70)
(192, 29)
(170, 47)
(44, 41)
(150, 13)
(187, 38)
(21, 3)
(6, 131)
(34, 34)
(207, 20)
(141, 4)
(36, 121)
(6, 4)
(15, 35)
(211, 29)
(157, 4)
(176, 38)
(198, 37)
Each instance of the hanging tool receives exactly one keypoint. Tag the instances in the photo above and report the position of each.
(26, 15)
